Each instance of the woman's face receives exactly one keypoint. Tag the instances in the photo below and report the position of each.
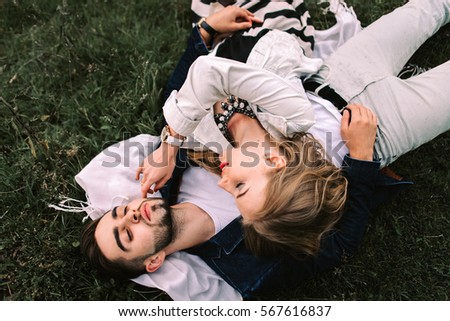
(246, 171)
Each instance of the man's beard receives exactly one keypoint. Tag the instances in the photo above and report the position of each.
(165, 234)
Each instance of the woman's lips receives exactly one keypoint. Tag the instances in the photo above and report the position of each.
(223, 165)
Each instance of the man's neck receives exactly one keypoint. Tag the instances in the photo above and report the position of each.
(192, 226)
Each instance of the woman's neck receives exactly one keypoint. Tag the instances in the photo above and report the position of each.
(245, 129)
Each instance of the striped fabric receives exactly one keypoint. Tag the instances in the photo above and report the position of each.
(289, 16)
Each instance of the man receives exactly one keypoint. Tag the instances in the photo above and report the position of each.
(135, 238)
(108, 183)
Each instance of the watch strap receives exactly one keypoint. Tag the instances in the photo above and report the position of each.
(203, 24)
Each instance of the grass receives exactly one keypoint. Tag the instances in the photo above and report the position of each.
(76, 76)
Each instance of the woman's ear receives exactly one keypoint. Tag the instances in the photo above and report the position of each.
(152, 263)
(276, 160)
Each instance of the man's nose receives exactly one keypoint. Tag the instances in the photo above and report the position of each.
(133, 216)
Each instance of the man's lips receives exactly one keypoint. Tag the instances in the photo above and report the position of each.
(146, 212)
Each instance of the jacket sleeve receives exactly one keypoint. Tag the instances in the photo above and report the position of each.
(195, 48)
(349, 232)
(211, 79)
(343, 242)
(227, 255)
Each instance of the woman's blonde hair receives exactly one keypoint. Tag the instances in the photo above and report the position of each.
(206, 159)
(304, 199)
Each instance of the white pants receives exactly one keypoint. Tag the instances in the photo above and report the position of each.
(411, 112)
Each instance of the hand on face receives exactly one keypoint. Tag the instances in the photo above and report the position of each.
(156, 169)
(358, 130)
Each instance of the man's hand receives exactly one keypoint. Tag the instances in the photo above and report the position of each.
(229, 20)
(157, 168)
(358, 130)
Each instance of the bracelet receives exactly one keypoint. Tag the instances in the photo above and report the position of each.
(203, 24)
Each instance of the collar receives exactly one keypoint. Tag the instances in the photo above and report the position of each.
(227, 240)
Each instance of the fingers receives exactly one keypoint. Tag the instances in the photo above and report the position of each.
(241, 25)
(252, 18)
(345, 121)
(139, 170)
(146, 186)
(251, 14)
(361, 113)
(160, 184)
(355, 112)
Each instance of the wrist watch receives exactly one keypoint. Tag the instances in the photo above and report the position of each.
(169, 139)
(204, 25)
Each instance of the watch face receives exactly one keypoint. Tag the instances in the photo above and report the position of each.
(164, 134)
(200, 21)
(166, 138)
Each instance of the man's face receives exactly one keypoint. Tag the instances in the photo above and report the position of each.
(134, 230)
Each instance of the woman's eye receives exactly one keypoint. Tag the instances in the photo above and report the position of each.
(240, 185)
(130, 236)
(125, 210)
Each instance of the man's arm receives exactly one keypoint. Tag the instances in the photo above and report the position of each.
(358, 128)
(196, 47)
(348, 235)
(225, 21)
(226, 253)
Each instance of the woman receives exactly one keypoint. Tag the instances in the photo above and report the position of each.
(358, 72)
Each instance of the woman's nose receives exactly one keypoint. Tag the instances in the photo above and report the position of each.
(223, 183)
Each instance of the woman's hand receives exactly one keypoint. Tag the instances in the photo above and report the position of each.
(157, 168)
(358, 130)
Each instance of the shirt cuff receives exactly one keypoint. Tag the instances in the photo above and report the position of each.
(176, 119)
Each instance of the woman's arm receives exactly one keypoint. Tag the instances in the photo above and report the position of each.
(158, 167)
(211, 79)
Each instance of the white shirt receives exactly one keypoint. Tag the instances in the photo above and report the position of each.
(200, 188)
(327, 129)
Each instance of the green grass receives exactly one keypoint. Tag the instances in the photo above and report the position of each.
(76, 76)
